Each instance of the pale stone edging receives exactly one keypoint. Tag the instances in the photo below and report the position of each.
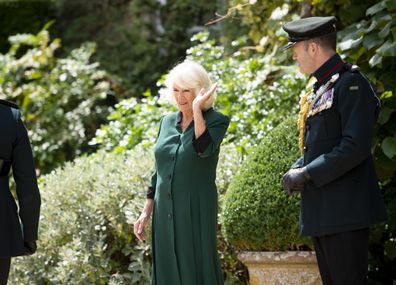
(281, 268)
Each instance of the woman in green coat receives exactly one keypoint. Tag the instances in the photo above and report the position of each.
(183, 197)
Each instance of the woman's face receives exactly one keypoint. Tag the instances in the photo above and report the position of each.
(184, 98)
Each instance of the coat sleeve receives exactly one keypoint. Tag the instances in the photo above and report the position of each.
(356, 107)
(26, 182)
(210, 140)
(299, 163)
(153, 182)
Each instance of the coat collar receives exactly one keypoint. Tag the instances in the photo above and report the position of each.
(332, 66)
(179, 116)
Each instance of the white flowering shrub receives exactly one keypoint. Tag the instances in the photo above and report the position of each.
(86, 226)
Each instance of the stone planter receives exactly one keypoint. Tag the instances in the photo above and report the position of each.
(281, 268)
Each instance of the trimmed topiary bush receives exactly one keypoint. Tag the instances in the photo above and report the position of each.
(257, 214)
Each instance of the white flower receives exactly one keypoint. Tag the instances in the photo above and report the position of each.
(280, 12)
(263, 41)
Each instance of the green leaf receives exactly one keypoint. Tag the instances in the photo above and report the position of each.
(371, 40)
(383, 163)
(27, 39)
(384, 115)
(385, 31)
(389, 146)
(386, 95)
(35, 74)
(375, 60)
(350, 43)
(48, 24)
(383, 18)
(393, 30)
(376, 8)
(372, 26)
(388, 79)
(388, 49)
(391, 5)
(391, 125)
(390, 249)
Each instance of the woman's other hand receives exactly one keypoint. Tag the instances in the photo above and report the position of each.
(140, 224)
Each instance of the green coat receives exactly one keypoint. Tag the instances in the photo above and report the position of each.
(185, 204)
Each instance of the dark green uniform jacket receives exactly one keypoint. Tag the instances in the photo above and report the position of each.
(343, 194)
(15, 150)
(185, 203)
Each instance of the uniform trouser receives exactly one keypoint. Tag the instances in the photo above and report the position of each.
(4, 270)
(343, 257)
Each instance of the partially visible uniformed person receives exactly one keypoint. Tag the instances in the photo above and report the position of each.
(18, 226)
(340, 197)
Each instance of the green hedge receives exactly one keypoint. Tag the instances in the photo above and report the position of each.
(257, 214)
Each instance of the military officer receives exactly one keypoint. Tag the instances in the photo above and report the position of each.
(340, 197)
(18, 228)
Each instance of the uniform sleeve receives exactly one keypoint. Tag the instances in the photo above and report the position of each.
(26, 183)
(299, 163)
(153, 183)
(210, 140)
(356, 107)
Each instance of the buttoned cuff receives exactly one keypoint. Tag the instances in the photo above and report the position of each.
(150, 193)
(200, 144)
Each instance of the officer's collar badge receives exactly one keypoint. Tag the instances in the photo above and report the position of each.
(313, 103)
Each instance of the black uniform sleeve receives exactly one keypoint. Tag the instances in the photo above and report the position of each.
(299, 163)
(26, 183)
(356, 107)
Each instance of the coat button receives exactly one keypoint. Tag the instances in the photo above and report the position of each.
(305, 149)
(170, 176)
(169, 195)
(308, 127)
(170, 216)
(173, 157)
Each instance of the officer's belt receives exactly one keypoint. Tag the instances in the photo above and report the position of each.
(5, 166)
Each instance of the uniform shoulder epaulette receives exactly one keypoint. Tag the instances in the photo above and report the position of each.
(351, 67)
(9, 104)
(354, 68)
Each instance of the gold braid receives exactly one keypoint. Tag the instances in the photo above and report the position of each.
(302, 117)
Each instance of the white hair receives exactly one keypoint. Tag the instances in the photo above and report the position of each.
(189, 75)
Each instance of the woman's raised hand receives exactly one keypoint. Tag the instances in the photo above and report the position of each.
(203, 96)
